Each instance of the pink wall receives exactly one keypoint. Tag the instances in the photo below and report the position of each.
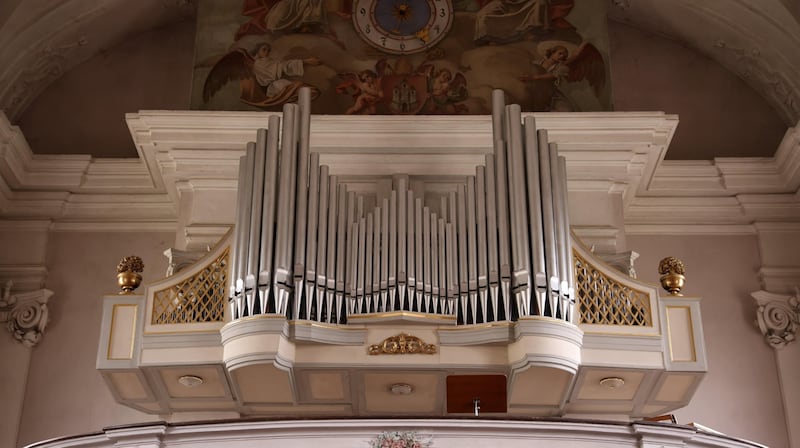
(740, 395)
(65, 393)
(83, 112)
(719, 113)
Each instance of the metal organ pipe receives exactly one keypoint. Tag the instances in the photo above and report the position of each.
(496, 246)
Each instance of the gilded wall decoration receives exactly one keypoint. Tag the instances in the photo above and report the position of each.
(402, 344)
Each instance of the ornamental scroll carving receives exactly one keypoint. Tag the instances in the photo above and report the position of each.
(402, 344)
(778, 317)
(25, 314)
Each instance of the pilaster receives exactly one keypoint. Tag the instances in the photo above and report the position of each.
(778, 318)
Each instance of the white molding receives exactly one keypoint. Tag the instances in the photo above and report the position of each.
(445, 433)
(609, 152)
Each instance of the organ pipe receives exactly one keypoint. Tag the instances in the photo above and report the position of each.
(497, 246)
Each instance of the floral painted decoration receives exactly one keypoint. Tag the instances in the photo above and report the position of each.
(400, 439)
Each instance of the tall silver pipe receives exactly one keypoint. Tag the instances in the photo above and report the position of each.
(535, 229)
(491, 237)
(472, 247)
(483, 275)
(237, 284)
(244, 216)
(301, 210)
(384, 251)
(402, 238)
(239, 238)
(521, 249)
(410, 246)
(452, 275)
(362, 263)
(442, 262)
(560, 231)
(377, 222)
(270, 194)
(285, 228)
(368, 259)
(419, 254)
(427, 261)
(351, 241)
(256, 201)
(562, 163)
(322, 236)
(244, 255)
(463, 256)
(548, 221)
(341, 250)
(330, 285)
(305, 296)
(392, 268)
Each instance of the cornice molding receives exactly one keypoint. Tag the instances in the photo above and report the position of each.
(77, 192)
(731, 194)
(190, 151)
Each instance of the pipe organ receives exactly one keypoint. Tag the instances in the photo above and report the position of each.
(496, 248)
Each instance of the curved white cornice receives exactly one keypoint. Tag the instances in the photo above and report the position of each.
(758, 42)
(442, 433)
(43, 40)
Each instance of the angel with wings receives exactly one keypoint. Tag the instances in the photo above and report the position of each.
(446, 91)
(365, 87)
(264, 82)
(559, 67)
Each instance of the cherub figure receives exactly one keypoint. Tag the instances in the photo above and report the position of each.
(365, 88)
(446, 91)
(367, 95)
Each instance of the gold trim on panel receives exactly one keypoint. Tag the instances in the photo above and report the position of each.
(336, 327)
(111, 330)
(402, 344)
(396, 314)
(691, 332)
(474, 327)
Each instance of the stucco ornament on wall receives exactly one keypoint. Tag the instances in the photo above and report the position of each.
(778, 317)
(25, 314)
(400, 439)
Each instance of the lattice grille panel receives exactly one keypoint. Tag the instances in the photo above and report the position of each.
(605, 301)
(199, 298)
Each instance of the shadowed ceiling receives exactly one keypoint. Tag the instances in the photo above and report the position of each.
(71, 69)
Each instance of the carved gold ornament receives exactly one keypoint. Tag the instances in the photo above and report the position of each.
(672, 279)
(402, 344)
(128, 277)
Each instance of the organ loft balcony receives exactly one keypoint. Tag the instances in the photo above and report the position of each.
(434, 266)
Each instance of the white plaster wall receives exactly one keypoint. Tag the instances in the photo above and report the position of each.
(65, 394)
(740, 395)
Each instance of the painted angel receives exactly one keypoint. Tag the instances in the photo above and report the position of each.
(264, 82)
(446, 91)
(559, 67)
(365, 88)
